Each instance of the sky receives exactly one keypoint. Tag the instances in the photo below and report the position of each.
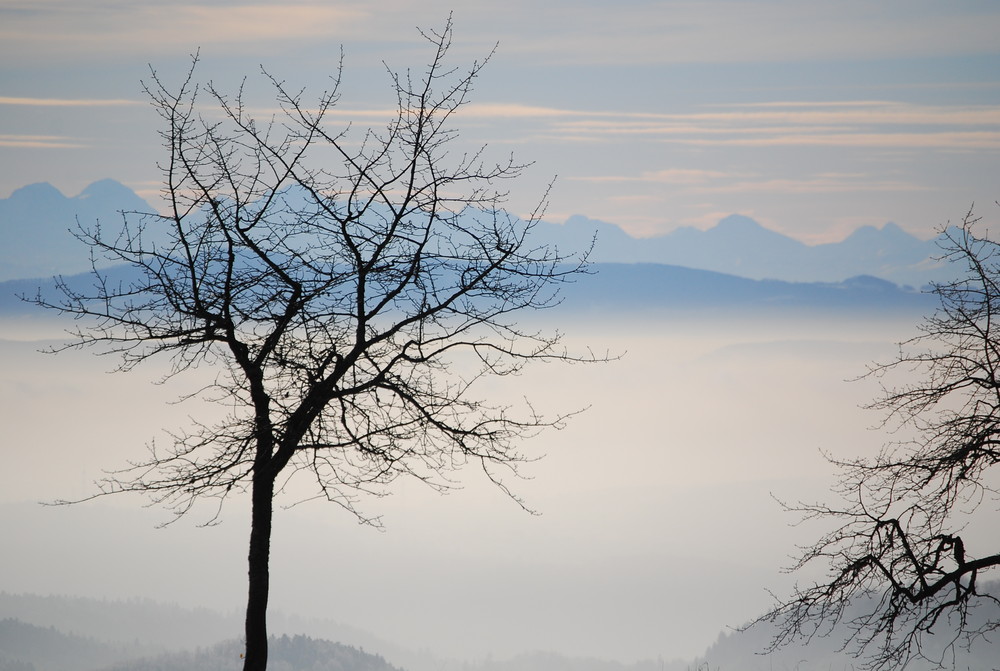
(814, 118)
(658, 526)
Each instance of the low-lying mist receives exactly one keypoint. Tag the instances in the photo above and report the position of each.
(657, 528)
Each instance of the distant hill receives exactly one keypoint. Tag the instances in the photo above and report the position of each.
(35, 220)
(745, 650)
(636, 288)
(548, 661)
(295, 653)
(143, 635)
(153, 626)
(26, 647)
(646, 287)
(127, 630)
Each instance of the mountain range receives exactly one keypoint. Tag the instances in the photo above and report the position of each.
(740, 246)
(35, 222)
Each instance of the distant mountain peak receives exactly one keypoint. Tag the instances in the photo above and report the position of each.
(106, 188)
(888, 240)
(580, 220)
(38, 190)
(738, 222)
(869, 282)
(741, 227)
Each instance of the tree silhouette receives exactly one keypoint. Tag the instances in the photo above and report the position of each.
(902, 570)
(349, 289)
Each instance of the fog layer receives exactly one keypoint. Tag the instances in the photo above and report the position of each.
(656, 529)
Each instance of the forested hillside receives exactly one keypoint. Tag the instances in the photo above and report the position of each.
(295, 653)
(27, 647)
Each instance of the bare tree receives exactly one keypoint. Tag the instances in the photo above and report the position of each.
(349, 289)
(902, 572)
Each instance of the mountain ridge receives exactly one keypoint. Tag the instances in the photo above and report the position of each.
(619, 288)
(35, 221)
(740, 245)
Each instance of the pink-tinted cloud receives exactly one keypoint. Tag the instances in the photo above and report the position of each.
(40, 142)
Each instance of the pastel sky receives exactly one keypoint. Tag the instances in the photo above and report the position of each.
(812, 117)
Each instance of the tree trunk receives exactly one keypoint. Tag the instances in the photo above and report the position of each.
(259, 576)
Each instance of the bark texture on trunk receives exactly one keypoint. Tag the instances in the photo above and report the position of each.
(259, 576)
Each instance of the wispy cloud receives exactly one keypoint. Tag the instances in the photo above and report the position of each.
(695, 181)
(676, 176)
(516, 111)
(875, 124)
(853, 112)
(718, 31)
(813, 184)
(65, 102)
(248, 22)
(952, 141)
(568, 31)
(40, 142)
(113, 26)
